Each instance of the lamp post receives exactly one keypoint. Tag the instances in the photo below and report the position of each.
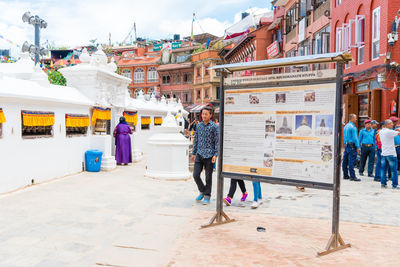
(38, 23)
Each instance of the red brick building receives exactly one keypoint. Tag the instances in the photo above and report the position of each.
(176, 81)
(304, 29)
(141, 65)
(361, 27)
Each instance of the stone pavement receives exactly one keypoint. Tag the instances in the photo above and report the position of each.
(121, 218)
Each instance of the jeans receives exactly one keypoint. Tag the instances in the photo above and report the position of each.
(367, 152)
(232, 188)
(398, 157)
(349, 158)
(199, 163)
(378, 164)
(390, 161)
(257, 191)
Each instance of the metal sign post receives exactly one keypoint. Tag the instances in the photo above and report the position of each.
(259, 174)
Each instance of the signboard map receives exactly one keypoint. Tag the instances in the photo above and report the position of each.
(283, 132)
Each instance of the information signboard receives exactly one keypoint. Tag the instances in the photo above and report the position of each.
(282, 132)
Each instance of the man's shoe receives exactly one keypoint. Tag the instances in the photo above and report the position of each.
(206, 201)
(361, 174)
(244, 196)
(228, 201)
(370, 175)
(377, 180)
(383, 186)
(346, 177)
(255, 204)
(355, 179)
(396, 187)
(199, 197)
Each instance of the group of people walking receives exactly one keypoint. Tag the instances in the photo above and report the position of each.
(375, 139)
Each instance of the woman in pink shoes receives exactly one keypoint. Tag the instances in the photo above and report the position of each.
(232, 189)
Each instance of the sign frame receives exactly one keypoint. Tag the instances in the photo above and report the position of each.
(335, 242)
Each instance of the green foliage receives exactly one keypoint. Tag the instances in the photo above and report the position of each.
(57, 78)
(201, 49)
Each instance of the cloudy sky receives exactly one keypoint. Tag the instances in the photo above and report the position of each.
(75, 22)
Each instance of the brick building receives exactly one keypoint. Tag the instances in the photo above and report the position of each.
(205, 81)
(141, 65)
(306, 29)
(176, 81)
(361, 28)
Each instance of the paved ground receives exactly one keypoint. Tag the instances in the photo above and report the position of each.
(121, 218)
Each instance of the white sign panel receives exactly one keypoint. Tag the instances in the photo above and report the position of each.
(284, 132)
(302, 30)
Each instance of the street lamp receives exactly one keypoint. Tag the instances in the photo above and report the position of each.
(38, 23)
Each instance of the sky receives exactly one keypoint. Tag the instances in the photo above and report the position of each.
(72, 23)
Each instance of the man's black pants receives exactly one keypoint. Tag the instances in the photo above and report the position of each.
(199, 163)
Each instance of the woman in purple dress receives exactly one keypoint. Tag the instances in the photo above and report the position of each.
(123, 152)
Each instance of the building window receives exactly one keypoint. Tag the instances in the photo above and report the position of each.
(198, 72)
(317, 3)
(145, 123)
(37, 124)
(321, 41)
(376, 17)
(206, 71)
(291, 19)
(126, 73)
(139, 75)
(76, 124)
(339, 39)
(218, 94)
(166, 79)
(198, 94)
(205, 93)
(152, 75)
(176, 79)
(360, 38)
(137, 92)
(187, 78)
(291, 53)
(185, 97)
(338, 2)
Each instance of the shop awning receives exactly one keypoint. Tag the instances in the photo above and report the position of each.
(274, 24)
(188, 108)
(198, 108)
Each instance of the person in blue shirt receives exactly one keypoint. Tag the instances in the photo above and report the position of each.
(367, 144)
(351, 148)
(205, 152)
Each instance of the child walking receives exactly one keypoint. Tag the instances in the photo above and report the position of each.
(232, 190)
(257, 195)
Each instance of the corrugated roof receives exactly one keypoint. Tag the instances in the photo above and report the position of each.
(174, 66)
(126, 62)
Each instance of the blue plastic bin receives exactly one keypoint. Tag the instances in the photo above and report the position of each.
(93, 160)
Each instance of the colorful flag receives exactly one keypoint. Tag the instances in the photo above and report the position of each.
(73, 60)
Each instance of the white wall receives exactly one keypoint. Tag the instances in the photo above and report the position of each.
(41, 159)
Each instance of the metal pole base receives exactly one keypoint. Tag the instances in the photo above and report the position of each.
(218, 219)
(335, 243)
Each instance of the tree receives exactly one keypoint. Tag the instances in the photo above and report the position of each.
(55, 77)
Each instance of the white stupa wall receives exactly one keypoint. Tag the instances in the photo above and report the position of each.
(41, 158)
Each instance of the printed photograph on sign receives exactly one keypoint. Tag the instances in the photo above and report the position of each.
(309, 96)
(253, 99)
(280, 98)
(230, 100)
(324, 124)
(284, 124)
(326, 153)
(303, 125)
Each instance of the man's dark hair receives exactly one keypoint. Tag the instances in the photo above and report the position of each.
(208, 108)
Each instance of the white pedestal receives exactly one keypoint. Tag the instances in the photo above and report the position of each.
(168, 155)
(104, 144)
